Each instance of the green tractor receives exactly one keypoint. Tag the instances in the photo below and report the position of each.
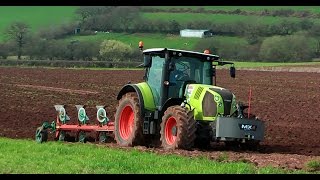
(180, 106)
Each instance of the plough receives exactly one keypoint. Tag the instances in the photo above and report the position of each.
(60, 126)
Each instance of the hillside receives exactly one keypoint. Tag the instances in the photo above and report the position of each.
(36, 17)
(241, 33)
(315, 9)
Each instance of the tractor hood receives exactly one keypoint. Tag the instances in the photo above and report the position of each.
(210, 101)
(226, 96)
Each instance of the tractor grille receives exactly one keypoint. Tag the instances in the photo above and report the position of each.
(227, 99)
(209, 106)
(198, 93)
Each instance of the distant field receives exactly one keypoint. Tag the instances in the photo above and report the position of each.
(218, 18)
(266, 64)
(150, 40)
(35, 16)
(315, 9)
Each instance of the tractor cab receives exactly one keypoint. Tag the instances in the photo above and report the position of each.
(169, 71)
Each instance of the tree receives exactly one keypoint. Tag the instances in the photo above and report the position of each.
(37, 48)
(211, 44)
(174, 26)
(86, 50)
(88, 11)
(314, 30)
(114, 50)
(18, 32)
(232, 50)
(4, 50)
(287, 27)
(124, 17)
(58, 49)
(306, 24)
(287, 48)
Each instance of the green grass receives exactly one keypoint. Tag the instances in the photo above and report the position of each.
(156, 40)
(313, 165)
(149, 40)
(36, 17)
(271, 64)
(315, 9)
(183, 18)
(29, 157)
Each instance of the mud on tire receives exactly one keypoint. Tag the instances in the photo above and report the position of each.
(128, 122)
(178, 128)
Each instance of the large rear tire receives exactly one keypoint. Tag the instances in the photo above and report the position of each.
(128, 122)
(178, 128)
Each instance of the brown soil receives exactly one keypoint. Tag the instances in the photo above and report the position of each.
(288, 103)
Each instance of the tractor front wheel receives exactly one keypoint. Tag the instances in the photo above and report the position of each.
(128, 122)
(178, 128)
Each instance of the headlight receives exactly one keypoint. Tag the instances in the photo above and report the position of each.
(189, 90)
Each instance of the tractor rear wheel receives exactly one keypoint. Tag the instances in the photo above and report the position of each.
(128, 121)
(178, 128)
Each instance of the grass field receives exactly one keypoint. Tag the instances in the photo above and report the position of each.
(45, 16)
(315, 9)
(183, 18)
(267, 64)
(36, 17)
(28, 157)
(151, 40)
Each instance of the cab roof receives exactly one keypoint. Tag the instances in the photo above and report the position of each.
(179, 52)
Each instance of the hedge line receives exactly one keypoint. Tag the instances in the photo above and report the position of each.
(68, 64)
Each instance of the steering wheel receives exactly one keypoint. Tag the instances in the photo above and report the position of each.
(182, 77)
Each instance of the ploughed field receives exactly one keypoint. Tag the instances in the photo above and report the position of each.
(288, 103)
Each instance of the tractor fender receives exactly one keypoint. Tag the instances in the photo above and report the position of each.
(132, 88)
(171, 102)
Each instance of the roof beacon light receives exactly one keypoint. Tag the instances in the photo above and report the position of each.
(207, 51)
(140, 45)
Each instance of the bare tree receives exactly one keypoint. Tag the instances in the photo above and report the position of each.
(124, 17)
(86, 12)
(18, 32)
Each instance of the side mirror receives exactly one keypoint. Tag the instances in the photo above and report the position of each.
(232, 71)
(147, 61)
(213, 72)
